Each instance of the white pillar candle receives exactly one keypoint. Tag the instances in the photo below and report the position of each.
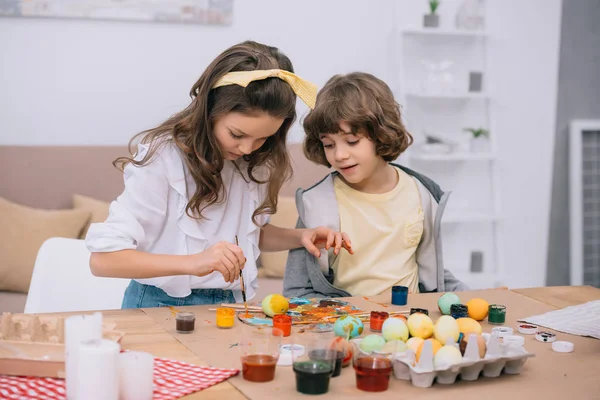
(97, 375)
(77, 329)
(136, 372)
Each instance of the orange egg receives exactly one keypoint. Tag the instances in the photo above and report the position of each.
(435, 345)
(478, 309)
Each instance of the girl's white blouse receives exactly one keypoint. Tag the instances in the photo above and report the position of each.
(150, 216)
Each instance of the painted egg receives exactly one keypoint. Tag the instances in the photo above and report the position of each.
(394, 329)
(482, 347)
(344, 346)
(446, 300)
(348, 326)
(446, 357)
(435, 347)
(446, 328)
(420, 325)
(413, 343)
(275, 304)
(478, 309)
(468, 325)
(372, 343)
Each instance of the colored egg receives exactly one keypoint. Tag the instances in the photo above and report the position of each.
(480, 344)
(478, 309)
(446, 357)
(446, 300)
(348, 326)
(435, 346)
(275, 304)
(420, 325)
(413, 343)
(468, 325)
(342, 345)
(394, 329)
(446, 328)
(372, 343)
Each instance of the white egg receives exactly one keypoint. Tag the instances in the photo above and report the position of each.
(446, 357)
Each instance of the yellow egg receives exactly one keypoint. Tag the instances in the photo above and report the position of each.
(446, 328)
(468, 325)
(478, 309)
(275, 304)
(413, 343)
(420, 325)
(435, 345)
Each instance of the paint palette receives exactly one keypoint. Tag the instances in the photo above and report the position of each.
(305, 312)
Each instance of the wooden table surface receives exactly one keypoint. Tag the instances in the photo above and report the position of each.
(547, 375)
(575, 373)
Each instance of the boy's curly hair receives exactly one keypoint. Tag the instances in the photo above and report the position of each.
(364, 102)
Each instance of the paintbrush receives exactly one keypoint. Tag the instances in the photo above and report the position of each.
(242, 281)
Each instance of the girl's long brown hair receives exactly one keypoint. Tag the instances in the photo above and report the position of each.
(192, 129)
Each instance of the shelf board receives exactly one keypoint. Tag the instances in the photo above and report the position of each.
(444, 32)
(450, 96)
(466, 216)
(454, 157)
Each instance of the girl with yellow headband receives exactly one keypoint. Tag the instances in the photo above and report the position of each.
(200, 187)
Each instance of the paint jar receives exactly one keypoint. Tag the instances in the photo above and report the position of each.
(419, 310)
(459, 311)
(373, 371)
(283, 322)
(377, 320)
(399, 295)
(225, 317)
(185, 322)
(259, 351)
(496, 314)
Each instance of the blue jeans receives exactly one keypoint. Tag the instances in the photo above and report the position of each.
(138, 295)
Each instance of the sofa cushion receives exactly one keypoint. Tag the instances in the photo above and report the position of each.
(272, 265)
(97, 208)
(24, 229)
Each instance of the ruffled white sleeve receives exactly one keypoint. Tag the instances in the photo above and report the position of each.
(137, 216)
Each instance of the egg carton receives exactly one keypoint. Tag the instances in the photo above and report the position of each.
(501, 357)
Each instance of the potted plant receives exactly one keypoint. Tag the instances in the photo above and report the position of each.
(479, 139)
(432, 20)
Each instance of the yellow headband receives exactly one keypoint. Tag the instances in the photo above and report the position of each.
(305, 90)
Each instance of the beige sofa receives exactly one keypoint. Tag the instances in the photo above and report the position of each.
(57, 191)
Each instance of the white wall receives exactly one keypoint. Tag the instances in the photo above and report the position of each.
(68, 82)
(100, 82)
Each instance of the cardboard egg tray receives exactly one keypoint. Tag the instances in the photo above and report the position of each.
(499, 358)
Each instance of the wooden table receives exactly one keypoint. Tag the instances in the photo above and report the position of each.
(547, 375)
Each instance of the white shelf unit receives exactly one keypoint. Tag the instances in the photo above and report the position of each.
(460, 227)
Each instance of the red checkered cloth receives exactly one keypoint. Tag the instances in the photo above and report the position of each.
(172, 379)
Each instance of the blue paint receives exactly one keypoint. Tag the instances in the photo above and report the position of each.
(299, 300)
(399, 295)
(260, 321)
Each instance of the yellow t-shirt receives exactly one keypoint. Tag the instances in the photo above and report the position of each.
(385, 230)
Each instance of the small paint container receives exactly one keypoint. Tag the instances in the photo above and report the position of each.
(283, 322)
(496, 314)
(459, 311)
(225, 317)
(185, 322)
(527, 329)
(503, 331)
(377, 320)
(545, 337)
(399, 295)
(419, 310)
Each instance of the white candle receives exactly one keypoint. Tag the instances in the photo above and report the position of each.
(97, 377)
(136, 371)
(78, 328)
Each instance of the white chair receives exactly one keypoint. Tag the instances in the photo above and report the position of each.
(62, 281)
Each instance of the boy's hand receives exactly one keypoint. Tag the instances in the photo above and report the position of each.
(323, 237)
